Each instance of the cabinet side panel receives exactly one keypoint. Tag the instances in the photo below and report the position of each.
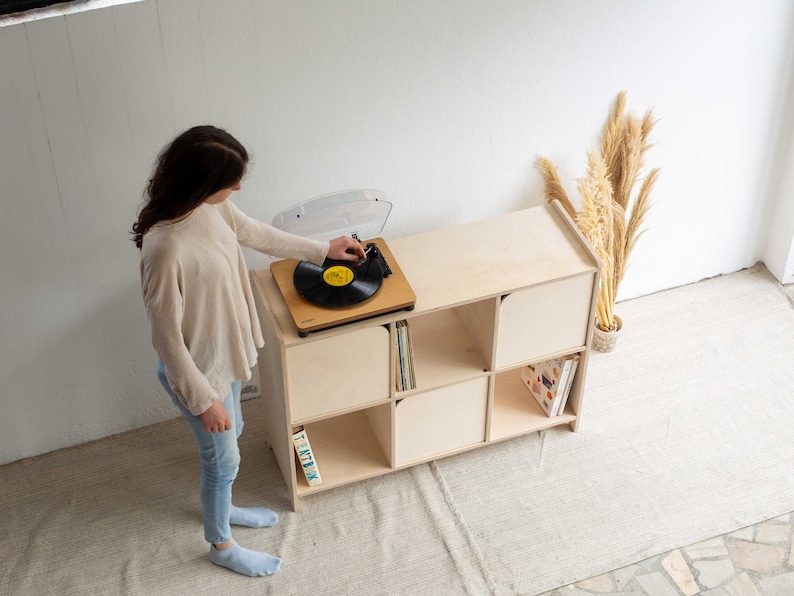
(271, 380)
(576, 398)
(380, 419)
(339, 372)
(544, 320)
(479, 318)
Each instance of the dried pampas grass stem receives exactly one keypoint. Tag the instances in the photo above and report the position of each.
(611, 216)
(553, 188)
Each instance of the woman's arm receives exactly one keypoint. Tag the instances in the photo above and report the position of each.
(260, 236)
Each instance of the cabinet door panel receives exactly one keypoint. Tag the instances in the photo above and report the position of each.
(543, 320)
(338, 372)
(442, 420)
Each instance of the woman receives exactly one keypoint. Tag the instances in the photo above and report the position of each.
(204, 323)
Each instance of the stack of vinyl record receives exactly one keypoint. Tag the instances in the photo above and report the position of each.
(406, 376)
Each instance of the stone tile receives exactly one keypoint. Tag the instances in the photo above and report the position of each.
(747, 533)
(713, 573)
(657, 584)
(758, 557)
(773, 533)
(573, 591)
(777, 585)
(678, 570)
(715, 547)
(706, 544)
(791, 555)
(623, 576)
(600, 583)
(707, 553)
(715, 592)
(785, 518)
(650, 562)
(742, 585)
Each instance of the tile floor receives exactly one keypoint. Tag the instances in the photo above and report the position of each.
(754, 561)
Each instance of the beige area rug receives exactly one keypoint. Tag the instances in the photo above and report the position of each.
(688, 433)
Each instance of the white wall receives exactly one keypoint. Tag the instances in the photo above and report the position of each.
(445, 104)
(778, 253)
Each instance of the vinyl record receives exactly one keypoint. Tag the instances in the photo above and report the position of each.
(338, 283)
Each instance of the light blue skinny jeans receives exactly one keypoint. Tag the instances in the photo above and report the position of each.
(220, 461)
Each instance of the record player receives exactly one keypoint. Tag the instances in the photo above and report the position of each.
(340, 292)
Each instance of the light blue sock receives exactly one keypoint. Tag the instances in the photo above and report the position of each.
(245, 561)
(253, 517)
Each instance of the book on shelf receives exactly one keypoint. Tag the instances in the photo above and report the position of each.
(306, 461)
(404, 357)
(399, 358)
(550, 382)
(574, 359)
(411, 369)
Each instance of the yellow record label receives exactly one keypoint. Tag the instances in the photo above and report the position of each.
(338, 276)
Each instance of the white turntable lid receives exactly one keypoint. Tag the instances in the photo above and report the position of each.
(361, 212)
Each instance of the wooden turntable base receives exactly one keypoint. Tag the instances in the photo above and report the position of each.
(395, 294)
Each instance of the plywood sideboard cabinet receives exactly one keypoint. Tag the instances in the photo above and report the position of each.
(492, 296)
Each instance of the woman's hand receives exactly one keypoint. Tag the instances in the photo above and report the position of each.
(339, 247)
(215, 419)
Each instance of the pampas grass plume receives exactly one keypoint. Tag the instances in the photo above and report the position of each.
(611, 217)
(553, 188)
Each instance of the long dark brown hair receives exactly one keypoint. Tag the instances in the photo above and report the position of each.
(195, 165)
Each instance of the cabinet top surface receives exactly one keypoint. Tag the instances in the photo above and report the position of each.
(490, 257)
(474, 261)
